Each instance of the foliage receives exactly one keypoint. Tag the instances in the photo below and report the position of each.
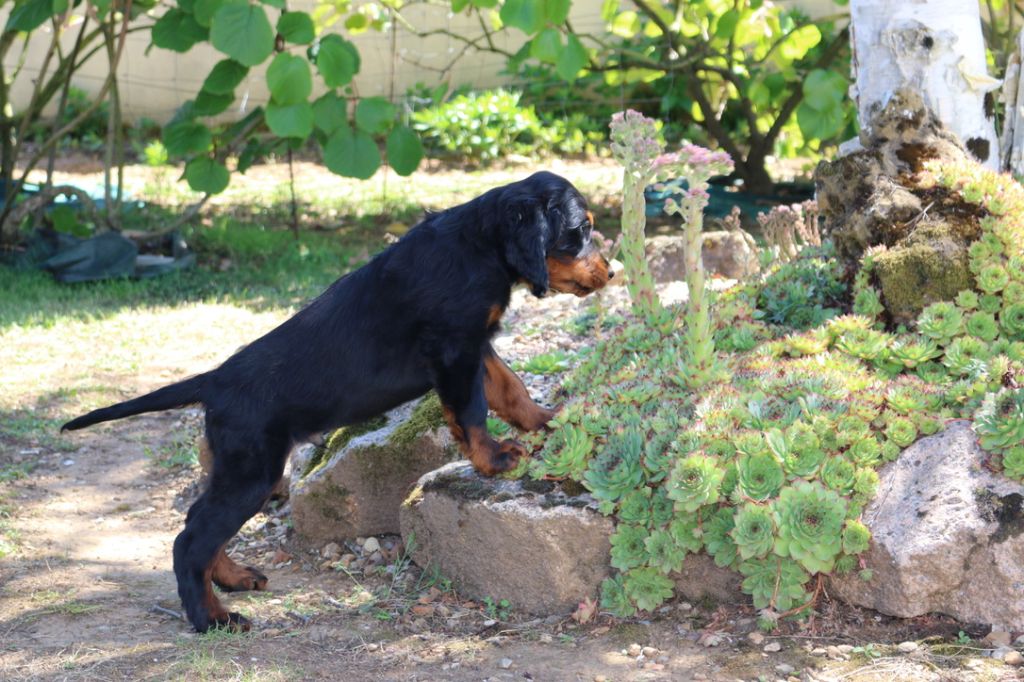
(485, 126)
(802, 293)
(753, 77)
(770, 472)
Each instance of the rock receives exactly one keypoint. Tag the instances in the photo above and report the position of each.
(756, 638)
(998, 638)
(371, 545)
(355, 483)
(1000, 653)
(505, 663)
(332, 550)
(726, 252)
(907, 647)
(869, 199)
(773, 647)
(524, 541)
(784, 669)
(650, 652)
(1013, 657)
(700, 578)
(634, 650)
(948, 535)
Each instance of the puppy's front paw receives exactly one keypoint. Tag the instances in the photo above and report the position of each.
(507, 455)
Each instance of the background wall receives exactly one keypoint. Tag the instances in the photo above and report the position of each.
(154, 84)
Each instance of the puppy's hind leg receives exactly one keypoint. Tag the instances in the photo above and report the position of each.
(241, 481)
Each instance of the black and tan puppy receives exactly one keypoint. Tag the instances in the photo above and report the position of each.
(419, 316)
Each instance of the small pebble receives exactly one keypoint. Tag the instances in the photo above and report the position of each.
(545, 638)
(684, 606)
(650, 652)
(490, 622)
(907, 647)
(818, 651)
(331, 550)
(600, 678)
(845, 648)
(1013, 657)
(772, 647)
(634, 650)
(756, 638)
(784, 669)
(505, 663)
(371, 545)
(1000, 653)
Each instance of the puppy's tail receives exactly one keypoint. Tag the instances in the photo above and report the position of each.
(176, 395)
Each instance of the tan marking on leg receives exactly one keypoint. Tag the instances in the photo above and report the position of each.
(508, 397)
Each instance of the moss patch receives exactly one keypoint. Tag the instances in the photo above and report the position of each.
(427, 415)
(339, 439)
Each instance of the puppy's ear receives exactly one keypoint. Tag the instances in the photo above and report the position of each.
(526, 230)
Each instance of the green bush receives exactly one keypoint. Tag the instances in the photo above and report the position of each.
(802, 293)
(485, 126)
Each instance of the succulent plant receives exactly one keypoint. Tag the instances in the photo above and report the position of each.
(940, 322)
(1014, 292)
(866, 344)
(810, 520)
(775, 582)
(1013, 462)
(982, 325)
(647, 587)
(866, 451)
(695, 482)
(965, 354)
(663, 552)
(1000, 420)
(856, 537)
(753, 531)
(718, 537)
(628, 548)
(760, 476)
(990, 303)
(569, 456)
(992, 278)
(1011, 319)
(913, 353)
(614, 598)
(901, 430)
(687, 532)
(661, 508)
(932, 372)
(967, 299)
(617, 470)
(635, 507)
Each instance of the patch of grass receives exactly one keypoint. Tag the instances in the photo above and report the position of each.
(546, 363)
(62, 602)
(180, 453)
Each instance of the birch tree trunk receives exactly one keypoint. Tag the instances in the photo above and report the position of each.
(934, 47)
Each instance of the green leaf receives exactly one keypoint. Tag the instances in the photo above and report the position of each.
(799, 42)
(526, 15)
(625, 24)
(726, 25)
(572, 59)
(225, 77)
(374, 114)
(556, 11)
(276, 4)
(207, 175)
(211, 104)
(337, 60)
(546, 46)
(296, 27)
(289, 79)
(203, 10)
(824, 89)
(405, 151)
(242, 32)
(352, 154)
(186, 137)
(177, 31)
(65, 219)
(459, 5)
(484, 4)
(357, 23)
(30, 14)
(290, 120)
(820, 125)
(330, 112)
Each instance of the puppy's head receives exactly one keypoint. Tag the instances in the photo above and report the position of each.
(546, 231)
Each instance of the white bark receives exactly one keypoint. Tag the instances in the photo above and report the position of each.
(934, 47)
(1011, 142)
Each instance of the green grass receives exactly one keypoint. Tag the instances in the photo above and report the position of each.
(241, 264)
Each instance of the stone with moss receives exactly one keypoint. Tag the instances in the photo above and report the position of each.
(354, 484)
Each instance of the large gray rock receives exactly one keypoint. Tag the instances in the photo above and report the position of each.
(354, 484)
(725, 252)
(948, 537)
(524, 541)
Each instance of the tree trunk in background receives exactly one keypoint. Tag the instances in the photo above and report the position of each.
(934, 47)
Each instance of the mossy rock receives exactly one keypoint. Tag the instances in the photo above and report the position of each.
(354, 484)
(929, 266)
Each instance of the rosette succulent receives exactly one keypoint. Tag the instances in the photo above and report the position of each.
(809, 518)
(1000, 420)
(965, 354)
(614, 598)
(647, 587)
(760, 476)
(866, 344)
(913, 353)
(635, 507)
(775, 582)
(617, 470)
(718, 537)
(628, 548)
(568, 458)
(754, 531)
(855, 537)
(967, 299)
(694, 482)
(992, 278)
(940, 321)
(866, 451)
(663, 552)
(1013, 462)
(901, 431)
(982, 325)
(1011, 319)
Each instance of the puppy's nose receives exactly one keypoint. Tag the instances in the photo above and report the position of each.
(614, 268)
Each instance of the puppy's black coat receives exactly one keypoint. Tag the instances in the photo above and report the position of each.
(420, 315)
